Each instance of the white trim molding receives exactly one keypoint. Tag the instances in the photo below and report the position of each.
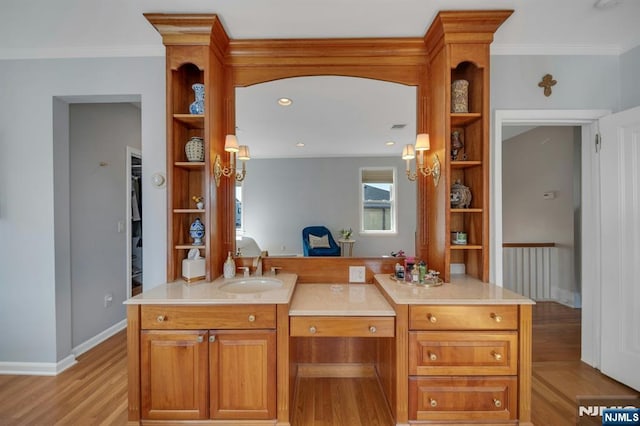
(99, 338)
(588, 120)
(37, 368)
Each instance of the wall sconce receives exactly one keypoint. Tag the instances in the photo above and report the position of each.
(234, 150)
(409, 153)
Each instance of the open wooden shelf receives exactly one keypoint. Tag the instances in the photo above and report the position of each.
(466, 247)
(465, 164)
(191, 165)
(188, 210)
(192, 121)
(473, 210)
(464, 119)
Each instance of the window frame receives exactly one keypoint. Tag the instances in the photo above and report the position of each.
(393, 202)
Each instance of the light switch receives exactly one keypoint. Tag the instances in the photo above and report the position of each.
(356, 274)
(549, 195)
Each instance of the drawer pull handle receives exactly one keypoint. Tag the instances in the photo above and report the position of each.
(313, 329)
(497, 402)
(433, 402)
(496, 355)
(212, 339)
(373, 329)
(432, 318)
(161, 318)
(200, 339)
(252, 318)
(433, 357)
(496, 317)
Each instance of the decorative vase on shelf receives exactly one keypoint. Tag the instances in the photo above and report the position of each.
(460, 96)
(456, 145)
(460, 196)
(200, 205)
(194, 149)
(197, 107)
(196, 231)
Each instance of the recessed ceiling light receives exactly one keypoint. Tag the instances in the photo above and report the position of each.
(389, 143)
(284, 102)
(300, 144)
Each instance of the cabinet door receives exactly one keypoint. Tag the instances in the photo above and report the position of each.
(243, 374)
(174, 371)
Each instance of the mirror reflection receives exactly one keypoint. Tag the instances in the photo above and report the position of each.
(331, 158)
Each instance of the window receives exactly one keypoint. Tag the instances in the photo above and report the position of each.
(378, 200)
(239, 215)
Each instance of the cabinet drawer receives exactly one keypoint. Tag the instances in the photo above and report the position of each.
(463, 398)
(485, 317)
(342, 326)
(470, 353)
(167, 317)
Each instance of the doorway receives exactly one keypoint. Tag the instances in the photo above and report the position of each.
(133, 197)
(542, 212)
(589, 201)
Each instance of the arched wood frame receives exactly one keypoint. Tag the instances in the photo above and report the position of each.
(250, 62)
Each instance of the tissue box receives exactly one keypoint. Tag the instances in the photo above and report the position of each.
(193, 270)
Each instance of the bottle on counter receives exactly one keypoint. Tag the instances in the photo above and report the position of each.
(229, 268)
(409, 265)
(422, 271)
(399, 272)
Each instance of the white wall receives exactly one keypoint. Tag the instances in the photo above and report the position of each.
(538, 161)
(99, 133)
(282, 196)
(27, 239)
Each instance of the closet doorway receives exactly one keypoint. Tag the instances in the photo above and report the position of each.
(134, 221)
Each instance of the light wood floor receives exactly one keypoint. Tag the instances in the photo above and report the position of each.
(94, 392)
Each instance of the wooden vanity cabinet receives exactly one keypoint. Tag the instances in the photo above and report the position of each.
(220, 364)
(463, 363)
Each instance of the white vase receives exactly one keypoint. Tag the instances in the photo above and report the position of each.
(194, 149)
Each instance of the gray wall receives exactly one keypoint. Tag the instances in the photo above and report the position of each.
(583, 82)
(629, 82)
(99, 133)
(35, 288)
(282, 196)
(538, 161)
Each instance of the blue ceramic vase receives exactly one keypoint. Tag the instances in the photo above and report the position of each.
(196, 231)
(197, 107)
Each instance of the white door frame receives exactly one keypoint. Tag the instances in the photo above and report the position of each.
(590, 228)
(131, 152)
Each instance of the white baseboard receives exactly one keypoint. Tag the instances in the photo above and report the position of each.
(566, 297)
(37, 368)
(99, 338)
(55, 368)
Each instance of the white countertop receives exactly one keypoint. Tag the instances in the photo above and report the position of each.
(339, 300)
(462, 290)
(204, 292)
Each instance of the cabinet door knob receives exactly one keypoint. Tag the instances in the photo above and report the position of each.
(433, 402)
(433, 357)
(200, 339)
(252, 318)
(432, 318)
(496, 355)
(373, 329)
(497, 402)
(161, 318)
(312, 329)
(496, 317)
(212, 339)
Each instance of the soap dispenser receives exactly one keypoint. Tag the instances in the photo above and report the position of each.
(229, 270)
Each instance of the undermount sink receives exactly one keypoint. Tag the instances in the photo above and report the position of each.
(251, 285)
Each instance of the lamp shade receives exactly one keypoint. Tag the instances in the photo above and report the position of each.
(243, 153)
(422, 142)
(231, 144)
(408, 152)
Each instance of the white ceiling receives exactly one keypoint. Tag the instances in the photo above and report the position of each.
(90, 28)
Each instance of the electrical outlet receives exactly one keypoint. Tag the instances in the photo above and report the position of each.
(356, 274)
(108, 300)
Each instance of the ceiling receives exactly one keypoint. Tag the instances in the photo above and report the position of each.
(103, 28)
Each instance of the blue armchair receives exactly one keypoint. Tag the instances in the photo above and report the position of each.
(314, 243)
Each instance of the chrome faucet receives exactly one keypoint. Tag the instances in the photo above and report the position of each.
(246, 270)
(257, 264)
